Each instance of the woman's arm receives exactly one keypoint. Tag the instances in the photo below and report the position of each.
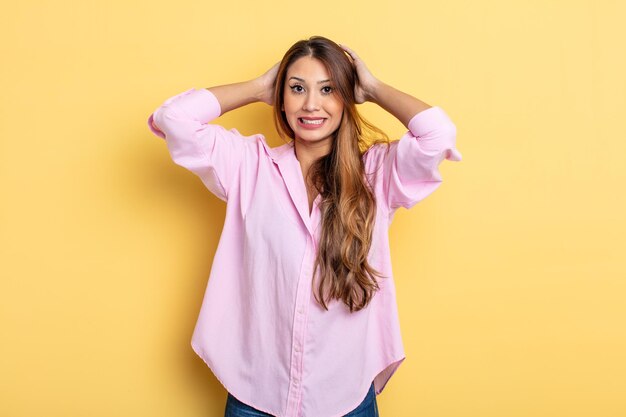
(209, 150)
(409, 167)
(232, 96)
(403, 106)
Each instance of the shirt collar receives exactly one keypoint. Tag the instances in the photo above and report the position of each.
(279, 152)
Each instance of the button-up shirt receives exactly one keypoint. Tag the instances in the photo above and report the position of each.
(260, 330)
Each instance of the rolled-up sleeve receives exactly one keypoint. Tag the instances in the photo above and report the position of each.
(410, 167)
(210, 151)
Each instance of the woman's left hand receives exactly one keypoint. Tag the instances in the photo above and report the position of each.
(364, 88)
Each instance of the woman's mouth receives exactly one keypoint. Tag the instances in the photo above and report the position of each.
(311, 123)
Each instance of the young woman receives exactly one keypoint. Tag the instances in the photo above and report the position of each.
(299, 317)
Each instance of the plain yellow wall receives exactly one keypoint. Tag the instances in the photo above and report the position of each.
(510, 277)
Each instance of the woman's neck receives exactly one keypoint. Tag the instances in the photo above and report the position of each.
(309, 152)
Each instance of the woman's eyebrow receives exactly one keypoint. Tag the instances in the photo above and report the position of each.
(300, 79)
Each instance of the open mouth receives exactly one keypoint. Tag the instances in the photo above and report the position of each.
(313, 122)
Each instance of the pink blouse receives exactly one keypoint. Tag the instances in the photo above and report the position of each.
(259, 329)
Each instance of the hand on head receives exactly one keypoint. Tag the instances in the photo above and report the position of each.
(366, 83)
(267, 84)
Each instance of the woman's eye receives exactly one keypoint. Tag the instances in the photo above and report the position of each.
(296, 88)
(327, 89)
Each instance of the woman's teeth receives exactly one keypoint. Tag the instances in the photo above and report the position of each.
(312, 122)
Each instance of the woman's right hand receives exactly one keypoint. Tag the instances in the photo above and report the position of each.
(235, 95)
(266, 82)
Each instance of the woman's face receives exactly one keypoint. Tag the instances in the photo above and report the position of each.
(312, 107)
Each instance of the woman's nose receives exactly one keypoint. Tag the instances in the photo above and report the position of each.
(311, 102)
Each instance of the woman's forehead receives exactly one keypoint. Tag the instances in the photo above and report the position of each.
(308, 68)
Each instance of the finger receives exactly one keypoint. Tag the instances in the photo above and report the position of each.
(350, 52)
(346, 50)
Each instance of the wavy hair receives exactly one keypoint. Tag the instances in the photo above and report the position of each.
(348, 207)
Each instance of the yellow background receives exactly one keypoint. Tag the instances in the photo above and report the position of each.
(510, 276)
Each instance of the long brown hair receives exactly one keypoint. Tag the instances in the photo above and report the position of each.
(348, 205)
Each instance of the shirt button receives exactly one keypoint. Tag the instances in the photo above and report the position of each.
(297, 348)
(301, 310)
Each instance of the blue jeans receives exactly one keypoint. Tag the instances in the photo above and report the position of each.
(367, 408)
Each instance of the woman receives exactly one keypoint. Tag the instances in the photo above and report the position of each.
(299, 316)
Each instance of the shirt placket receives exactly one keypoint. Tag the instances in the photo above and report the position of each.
(299, 330)
(303, 298)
